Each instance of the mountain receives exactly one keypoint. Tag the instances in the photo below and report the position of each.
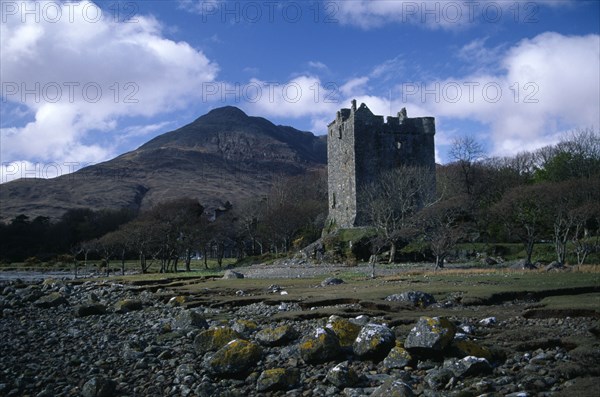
(222, 156)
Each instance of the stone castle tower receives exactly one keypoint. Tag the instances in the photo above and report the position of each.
(360, 145)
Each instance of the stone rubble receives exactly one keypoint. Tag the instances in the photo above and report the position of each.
(102, 339)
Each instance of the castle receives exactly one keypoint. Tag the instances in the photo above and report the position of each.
(360, 145)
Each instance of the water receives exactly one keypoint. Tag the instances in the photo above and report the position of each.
(26, 275)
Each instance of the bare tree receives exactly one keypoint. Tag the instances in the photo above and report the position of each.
(466, 152)
(392, 201)
(442, 227)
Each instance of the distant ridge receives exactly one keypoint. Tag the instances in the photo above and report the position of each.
(224, 155)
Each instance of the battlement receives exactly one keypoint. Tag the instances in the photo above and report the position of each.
(361, 145)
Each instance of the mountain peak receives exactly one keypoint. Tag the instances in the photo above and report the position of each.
(224, 113)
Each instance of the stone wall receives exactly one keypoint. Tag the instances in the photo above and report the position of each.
(360, 146)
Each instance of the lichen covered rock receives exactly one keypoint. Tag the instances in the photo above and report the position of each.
(189, 319)
(398, 357)
(322, 345)
(235, 358)
(345, 330)
(342, 376)
(213, 339)
(430, 336)
(53, 299)
(466, 347)
(374, 341)
(393, 388)
(278, 379)
(128, 305)
(276, 336)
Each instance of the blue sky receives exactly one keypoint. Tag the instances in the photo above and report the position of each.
(85, 81)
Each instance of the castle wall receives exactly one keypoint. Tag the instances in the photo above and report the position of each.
(368, 146)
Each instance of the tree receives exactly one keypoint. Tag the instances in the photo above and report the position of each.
(466, 152)
(392, 201)
(523, 213)
(442, 228)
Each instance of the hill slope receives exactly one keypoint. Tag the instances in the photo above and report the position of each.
(222, 156)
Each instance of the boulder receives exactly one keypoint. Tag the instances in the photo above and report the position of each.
(374, 341)
(278, 379)
(342, 376)
(345, 330)
(398, 357)
(415, 298)
(468, 366)
(128, 305)
(465, 347)
(53, 299)
(438, 378)
(189, 319)
(235, 358)
(244, 327)
(393, 388)
(276, 336)
(177, 301)
(99, 387)
(232, 274)
(91, 309)
(331, 281)
(430, 336)
(214, 339)
(322, 345)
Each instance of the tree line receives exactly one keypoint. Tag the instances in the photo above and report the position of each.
(170, 234)
(548, 195)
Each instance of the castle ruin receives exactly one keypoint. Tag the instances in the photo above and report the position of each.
(361, 145)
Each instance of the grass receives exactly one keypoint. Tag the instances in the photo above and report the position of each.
(583, 301)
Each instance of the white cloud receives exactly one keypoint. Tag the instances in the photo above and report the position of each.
(79, 75)
(548, 84)
(354, 86)
(317, 65)
(441, 14)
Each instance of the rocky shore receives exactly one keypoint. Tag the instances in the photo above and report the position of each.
(106, 339)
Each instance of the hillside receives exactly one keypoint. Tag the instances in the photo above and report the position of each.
(222, 156)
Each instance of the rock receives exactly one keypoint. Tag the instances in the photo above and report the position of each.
(232, 274)
(244, 327)
(276, 336)
(331, 281)
(489, 261)
(345, 330)
(468, 366)
(374, 341)
(189, 319)
(177, 301)
(53, 299)
(278, 379)
(128, 305)
(416, 298)
(488, 321)
(235, 358)
(92, 309)
(398, 357)
(466, 347)
(393, 388)
(323, 345)
(342, 376)
(213, 339)
(522, 264)
(99, 387)
(430, 336)
(554, 266)
(438, 378)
